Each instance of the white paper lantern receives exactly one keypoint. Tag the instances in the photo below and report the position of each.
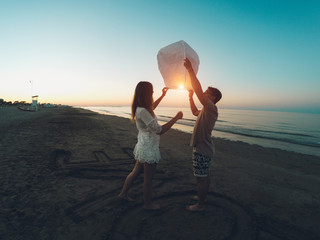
(170, 63)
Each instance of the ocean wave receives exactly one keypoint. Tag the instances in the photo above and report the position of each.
(295, 138)
(271, 137)
(165, 117)
(258, 126)
(284, 133)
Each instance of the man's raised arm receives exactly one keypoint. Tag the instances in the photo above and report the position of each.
(195, 83)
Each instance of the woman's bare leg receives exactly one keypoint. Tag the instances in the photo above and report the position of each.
(129, 181)
(149, 170)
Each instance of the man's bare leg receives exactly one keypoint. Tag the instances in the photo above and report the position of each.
(203, 184)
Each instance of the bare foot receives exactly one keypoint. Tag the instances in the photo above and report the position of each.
(195, 197)
(152, 206)
(126, 198)
(196, 208)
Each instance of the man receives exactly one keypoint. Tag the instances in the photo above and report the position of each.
(201, 141)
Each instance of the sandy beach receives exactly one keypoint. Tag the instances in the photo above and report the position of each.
(62, 168)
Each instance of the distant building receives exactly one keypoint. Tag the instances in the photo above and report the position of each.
(34, 105)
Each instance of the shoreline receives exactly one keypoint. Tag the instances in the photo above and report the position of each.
(260, 141)
(62, 168)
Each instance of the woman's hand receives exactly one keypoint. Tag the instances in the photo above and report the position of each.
(172, 121)
(164, 91)
(179, 115)
(156, 103)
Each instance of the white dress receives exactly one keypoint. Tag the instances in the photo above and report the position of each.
(147, 148)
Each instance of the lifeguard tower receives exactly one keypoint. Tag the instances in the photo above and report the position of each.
(34, 104)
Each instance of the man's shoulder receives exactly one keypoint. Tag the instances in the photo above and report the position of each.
(211, 109)
(210, 105)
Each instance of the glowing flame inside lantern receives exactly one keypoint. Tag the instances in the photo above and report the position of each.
(171, 64)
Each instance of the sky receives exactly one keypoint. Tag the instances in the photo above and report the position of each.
(260, 54)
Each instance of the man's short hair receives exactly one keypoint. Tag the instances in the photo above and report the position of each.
(215, 92)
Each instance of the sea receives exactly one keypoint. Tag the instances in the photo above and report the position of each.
(291, 131)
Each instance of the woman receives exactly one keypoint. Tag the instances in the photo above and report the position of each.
(146, 151)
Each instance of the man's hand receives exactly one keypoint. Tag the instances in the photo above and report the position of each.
(190, 93)
(193, 107)
(196, 86)
(188, 64)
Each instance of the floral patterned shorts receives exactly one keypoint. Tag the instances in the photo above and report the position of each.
(201, 165)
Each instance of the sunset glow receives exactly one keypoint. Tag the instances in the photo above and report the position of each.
(249, 50)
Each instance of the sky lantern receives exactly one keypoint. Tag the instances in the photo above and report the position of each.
(170, 63)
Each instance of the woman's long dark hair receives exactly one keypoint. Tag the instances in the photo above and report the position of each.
(142, 98)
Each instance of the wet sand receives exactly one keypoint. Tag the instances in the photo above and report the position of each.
(62, 168)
